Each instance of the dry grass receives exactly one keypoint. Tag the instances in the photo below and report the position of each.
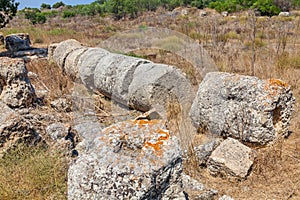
(33, 173)
(276, 172)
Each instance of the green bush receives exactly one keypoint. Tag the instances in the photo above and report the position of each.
(266, 7)
(58, 4)
(45, 6)
(35, 15)
(68, 13)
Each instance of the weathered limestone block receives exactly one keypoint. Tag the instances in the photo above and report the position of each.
(157, 84)
(51, 49)
(15, 87)
(113, 75)
(87, 64)
(231, 158)
(14, 129)
(243, 107)
(204, 151)
(17, 42)
(63, 49)
(136, 159)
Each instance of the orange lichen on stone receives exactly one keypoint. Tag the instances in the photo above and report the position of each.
(273, 86)
(145, 122)
(277, 82)
(165, 135)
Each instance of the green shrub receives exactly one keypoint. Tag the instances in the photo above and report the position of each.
(34, 15)
(58, 4)
(45, 6)
(68, 13)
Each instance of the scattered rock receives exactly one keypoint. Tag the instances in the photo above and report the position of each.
(65, 138)
(203, 13)
(136, 159)
(30, 53)
(196, 190)
(284, 14)
(17, 42)
(61, 105)
(2, 39)
(14, 129)
(231, 158)
(191, 184)
(204, 151)
(15, 87)
(225, 197)
(57, 131)
(51, 49)
(243, 107)
(224, 13)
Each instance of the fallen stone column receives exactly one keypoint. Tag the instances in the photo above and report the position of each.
(243, 107)
(134, 82)
(158, 84)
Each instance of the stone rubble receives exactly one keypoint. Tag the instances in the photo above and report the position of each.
(15, 88)
(14, 129)
(231, 158)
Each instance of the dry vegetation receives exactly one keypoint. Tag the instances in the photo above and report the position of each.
(274, 52)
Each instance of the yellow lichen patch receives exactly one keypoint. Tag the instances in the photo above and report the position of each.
(145, 122)
(277, 82)
(274, 86)
(165, 135)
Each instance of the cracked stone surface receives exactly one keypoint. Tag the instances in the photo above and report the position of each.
(135, 159)
(243, 107)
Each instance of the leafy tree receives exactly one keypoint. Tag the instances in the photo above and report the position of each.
(266, 7)
(8, 9)
(296, 3)
(117, 8)
(58, 4)
(45, 6)
(34, 15)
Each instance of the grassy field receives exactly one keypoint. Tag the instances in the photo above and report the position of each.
(261, 46)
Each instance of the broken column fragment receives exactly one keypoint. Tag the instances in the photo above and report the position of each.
(243, 107)
(135, 159)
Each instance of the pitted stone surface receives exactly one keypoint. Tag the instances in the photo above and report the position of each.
(15, 87)
(136, 159)
(14, 129)
(243, 107)
(231, 158)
